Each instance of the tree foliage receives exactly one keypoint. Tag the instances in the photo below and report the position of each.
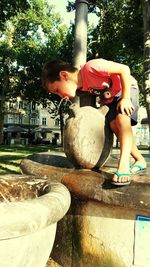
(29, 38)
(91, 5)
(119, 34)
(146, 73)
(8, 9)
(31, 33)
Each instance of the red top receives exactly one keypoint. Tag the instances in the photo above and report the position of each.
(95, 75)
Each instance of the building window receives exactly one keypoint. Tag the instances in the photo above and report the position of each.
(44, 121)
(33, 105)
(10, 105)
(57, 122)
(33, 121)
(44, 103)
(16, 119)
(10, 120)
(20, 120)
(21, 105)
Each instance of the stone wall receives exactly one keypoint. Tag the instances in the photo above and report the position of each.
(97, 235)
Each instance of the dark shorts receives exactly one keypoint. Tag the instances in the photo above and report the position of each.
(112, 113)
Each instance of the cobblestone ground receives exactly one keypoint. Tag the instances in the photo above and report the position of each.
(52, 263)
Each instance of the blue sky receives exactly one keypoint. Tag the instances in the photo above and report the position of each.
(60, 7)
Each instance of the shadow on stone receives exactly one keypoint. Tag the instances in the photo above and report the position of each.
(52, 160)
(107, 185)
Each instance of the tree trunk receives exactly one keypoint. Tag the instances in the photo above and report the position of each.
(2, 99)
(1, 121)
(146, 24)
(1, 114)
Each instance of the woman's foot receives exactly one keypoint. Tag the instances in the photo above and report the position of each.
(139, 166)
(121, 178)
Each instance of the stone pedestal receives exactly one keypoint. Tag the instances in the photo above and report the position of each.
(98, 235)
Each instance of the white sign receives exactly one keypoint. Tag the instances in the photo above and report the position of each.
(142, 241)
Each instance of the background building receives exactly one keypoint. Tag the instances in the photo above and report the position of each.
(29, 123)
(26, 123)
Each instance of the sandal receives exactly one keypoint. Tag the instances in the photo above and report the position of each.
(122, 183)
(140, 169)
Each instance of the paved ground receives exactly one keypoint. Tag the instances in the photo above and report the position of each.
(144, 152)
(111, 165)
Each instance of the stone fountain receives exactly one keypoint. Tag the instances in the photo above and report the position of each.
(87, 137)
(29, 210)
(101, 228)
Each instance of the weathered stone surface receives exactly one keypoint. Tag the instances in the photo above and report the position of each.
(45, 171)
(88, 184)
(28, 227)
(87, 137)
(63, 245)
(50, 157)
(102, 235)
(137, 195)
(99, 229)
(52, 263)
(35, 213)
(84, 184)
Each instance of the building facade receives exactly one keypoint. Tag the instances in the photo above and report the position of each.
(27, 122)
(30, 123)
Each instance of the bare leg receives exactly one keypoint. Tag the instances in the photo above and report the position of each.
(125, 137)
(135, 153)
(121, 126)
(139, 159)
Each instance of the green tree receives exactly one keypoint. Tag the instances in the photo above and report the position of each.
(7, 10)
(11, 8)
(38, 37)
(124, 36)
(119, 35)
(146, 86)
(28, 39)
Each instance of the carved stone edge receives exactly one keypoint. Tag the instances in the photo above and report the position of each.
(91, 185)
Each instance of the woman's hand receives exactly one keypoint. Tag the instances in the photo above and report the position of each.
(125, 106)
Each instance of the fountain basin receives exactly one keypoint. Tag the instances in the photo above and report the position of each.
(28, 226)
(102, 228)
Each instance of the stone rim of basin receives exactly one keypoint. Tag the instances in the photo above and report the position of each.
(21, 218)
